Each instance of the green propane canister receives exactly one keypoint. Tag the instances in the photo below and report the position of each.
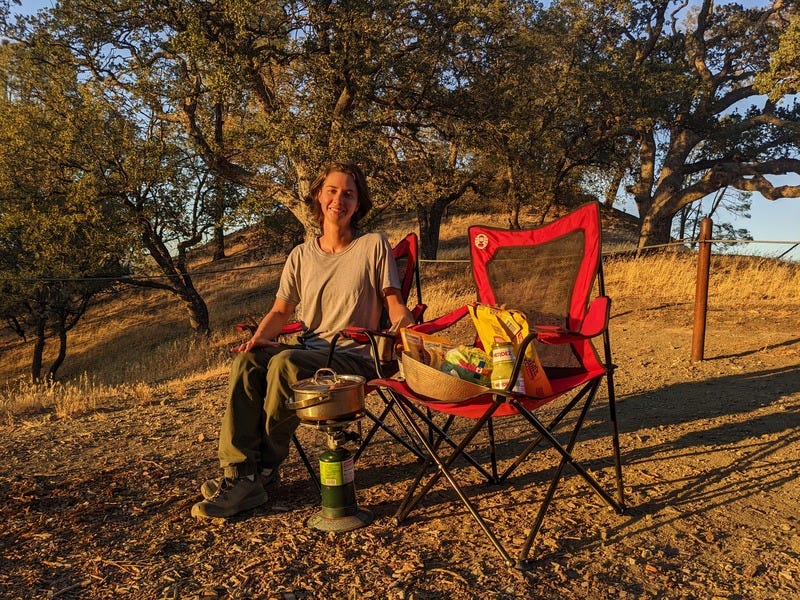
(337, 483)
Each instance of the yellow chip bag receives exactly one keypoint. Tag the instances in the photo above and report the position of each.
(496, 324)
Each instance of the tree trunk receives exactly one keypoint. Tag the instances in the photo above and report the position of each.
(180, 281)
(62, 352)
(219, 243)
(684, 218)
(38, 350)
(219, 188)
(512, 198)
(656, 229)
(429, 221)
(513, 217)
(198, 312)
(613, 188)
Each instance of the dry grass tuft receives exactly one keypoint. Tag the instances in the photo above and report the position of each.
(67, 398)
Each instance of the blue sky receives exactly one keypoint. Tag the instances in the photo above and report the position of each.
(774, 220)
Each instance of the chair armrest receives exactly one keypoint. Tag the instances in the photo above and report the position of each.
(361, 335)
(246, 327)
(289, 329)
(418, 312)
(596, 320)
(443, 322)
(594, 323)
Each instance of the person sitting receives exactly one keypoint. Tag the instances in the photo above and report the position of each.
(343, 278)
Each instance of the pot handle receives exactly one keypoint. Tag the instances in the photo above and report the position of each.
(310, 402)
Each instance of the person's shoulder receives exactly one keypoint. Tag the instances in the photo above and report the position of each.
(302, 247)
(374, 238)
(300, 251)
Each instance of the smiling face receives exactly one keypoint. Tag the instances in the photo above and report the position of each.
(355, 182)
(338, 199)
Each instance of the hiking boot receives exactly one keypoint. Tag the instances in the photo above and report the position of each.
(269, 478)
(232, 497)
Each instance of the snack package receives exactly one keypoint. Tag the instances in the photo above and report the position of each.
(469, 364)
(425, 348)
(495, 324)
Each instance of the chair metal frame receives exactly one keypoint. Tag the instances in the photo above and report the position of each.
(586, 319)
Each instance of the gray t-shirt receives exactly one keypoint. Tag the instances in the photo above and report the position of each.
(334, 291)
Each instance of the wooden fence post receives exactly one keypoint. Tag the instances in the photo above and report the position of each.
(701, 290)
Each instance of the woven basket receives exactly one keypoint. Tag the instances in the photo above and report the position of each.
(432, 383)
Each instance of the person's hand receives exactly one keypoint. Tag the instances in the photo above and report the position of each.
(252, 344)
(405, 321)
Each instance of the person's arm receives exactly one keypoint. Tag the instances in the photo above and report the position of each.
(269, 328)
(399, 315)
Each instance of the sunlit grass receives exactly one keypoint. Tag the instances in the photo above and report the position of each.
(734, 281)
(69, 398)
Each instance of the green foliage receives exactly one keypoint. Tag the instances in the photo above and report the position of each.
(521, 102)
(783, 75)
(280, 231)
(58, 228)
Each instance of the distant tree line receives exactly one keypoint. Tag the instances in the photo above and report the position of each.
(133, 131)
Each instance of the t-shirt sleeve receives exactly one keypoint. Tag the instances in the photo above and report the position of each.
(387, 266)
(289, 286)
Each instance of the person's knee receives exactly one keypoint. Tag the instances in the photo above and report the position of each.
(289, 366)
(241, 363)
(246, 366)
(283, 362)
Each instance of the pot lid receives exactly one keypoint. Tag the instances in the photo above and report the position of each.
(327, 379)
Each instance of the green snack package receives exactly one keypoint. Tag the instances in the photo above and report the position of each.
(469, 364)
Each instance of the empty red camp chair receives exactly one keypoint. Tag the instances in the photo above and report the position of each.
(550, 273)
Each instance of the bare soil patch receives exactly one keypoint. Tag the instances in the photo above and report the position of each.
(97, 506)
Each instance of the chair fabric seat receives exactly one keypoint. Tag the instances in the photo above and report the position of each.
(473, 408)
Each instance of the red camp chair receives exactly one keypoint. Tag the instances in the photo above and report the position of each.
(549, 273)
(406, 255)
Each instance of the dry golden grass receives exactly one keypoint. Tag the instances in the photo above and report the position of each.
(137, 344)
(69, 398)
(670, 277)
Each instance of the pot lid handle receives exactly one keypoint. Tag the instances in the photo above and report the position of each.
(326, 375)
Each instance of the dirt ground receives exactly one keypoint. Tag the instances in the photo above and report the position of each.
(98, 506)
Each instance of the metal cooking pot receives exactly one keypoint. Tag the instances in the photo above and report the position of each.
(328, 396)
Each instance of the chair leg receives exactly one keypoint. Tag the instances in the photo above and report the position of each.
(492, 451)
(442, 470)
(566, 458)
(612, 406)
(612, 402)
(412, 499)
(538, 440)
(378, 423)
(442, 436)
(567, 454)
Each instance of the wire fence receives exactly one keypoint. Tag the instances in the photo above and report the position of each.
(202, 272)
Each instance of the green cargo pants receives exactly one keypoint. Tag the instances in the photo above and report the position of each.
(257, 427)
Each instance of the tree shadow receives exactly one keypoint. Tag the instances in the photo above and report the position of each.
(758, 350)
(757, 440)
(685, 402)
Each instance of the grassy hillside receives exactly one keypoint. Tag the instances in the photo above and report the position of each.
(133, 342)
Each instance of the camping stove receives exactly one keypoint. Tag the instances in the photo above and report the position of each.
(339, 511)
